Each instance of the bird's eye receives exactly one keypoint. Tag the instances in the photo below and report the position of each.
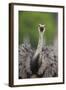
(41, 29)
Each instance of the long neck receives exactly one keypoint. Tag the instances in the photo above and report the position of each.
(40, 45)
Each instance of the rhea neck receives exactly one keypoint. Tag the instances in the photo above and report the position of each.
(40, 43)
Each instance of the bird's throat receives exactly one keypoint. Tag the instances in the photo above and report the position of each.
(40, 45)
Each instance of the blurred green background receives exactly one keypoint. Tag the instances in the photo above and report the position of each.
(28, 25)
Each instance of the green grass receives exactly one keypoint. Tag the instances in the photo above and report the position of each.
(28, 25)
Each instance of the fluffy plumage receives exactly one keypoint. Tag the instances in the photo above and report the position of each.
(42, 62)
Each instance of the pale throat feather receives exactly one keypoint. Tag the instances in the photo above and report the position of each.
(40, 44)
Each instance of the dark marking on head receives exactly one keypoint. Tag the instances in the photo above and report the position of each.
(41, 29)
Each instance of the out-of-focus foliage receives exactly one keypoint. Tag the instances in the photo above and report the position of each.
(28, 26)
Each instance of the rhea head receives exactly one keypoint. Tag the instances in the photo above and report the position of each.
(41, 28)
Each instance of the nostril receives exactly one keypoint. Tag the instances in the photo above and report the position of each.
(41, 29)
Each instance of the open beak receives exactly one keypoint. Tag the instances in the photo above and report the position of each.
(41, 29)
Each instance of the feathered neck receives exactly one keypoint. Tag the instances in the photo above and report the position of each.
(40, 44)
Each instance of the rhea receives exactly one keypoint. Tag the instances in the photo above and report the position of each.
(35, 60)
